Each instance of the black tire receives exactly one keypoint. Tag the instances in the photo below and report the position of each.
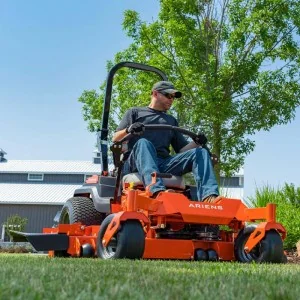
(268, 250)
(129, 241)
(80, 209)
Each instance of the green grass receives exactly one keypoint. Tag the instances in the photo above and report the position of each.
(25, 276)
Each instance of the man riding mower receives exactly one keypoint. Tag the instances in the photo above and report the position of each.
(152, 213)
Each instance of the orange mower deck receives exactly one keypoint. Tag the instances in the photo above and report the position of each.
(174, 210)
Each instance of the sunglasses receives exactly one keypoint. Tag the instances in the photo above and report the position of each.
(167, 95)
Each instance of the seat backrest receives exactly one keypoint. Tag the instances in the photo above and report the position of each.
(176, 182)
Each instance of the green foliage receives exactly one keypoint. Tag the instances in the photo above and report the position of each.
(291, 194)
(38, 277)
(17, 223)
(288, 208)
(236, 62)
(265, 195)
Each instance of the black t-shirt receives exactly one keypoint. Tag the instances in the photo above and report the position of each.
(161, 139)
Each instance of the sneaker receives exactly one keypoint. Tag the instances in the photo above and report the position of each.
(211, 199)
(155, 194)
(170, 191)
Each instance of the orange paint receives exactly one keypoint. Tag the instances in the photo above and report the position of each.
(174, 211)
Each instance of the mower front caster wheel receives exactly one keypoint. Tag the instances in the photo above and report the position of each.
(128, 242)
(268, 250)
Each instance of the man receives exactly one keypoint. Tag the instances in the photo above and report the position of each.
(150, 149)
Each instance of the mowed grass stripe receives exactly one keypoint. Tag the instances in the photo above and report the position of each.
(41, 277)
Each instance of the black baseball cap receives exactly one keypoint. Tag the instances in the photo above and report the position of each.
(167, 87)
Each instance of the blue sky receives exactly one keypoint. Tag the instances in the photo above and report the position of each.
(50, 51)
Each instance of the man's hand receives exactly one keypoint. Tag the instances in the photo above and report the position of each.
(200, 139)
(137, 128)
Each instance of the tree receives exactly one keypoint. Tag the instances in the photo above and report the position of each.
(236, 61)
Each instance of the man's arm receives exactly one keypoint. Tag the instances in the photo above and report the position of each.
(136, 128)
(119, 135)
(189, 146)
(125, 122)
(199, 140)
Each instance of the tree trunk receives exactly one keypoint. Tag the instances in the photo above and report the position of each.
(217, 150)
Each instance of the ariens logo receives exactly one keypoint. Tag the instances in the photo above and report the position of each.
(206, 206)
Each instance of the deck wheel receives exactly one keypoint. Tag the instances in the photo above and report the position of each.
(212, 255)
(201, 255)
(87, 250)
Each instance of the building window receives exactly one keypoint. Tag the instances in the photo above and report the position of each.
(35, 177)
(241, 181)
(232, 181)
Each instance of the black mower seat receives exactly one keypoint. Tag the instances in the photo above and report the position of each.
(176, 182)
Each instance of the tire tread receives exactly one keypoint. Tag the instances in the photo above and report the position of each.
(82, 209)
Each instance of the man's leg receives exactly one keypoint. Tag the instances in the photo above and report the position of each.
(199, 162)
(143, 159)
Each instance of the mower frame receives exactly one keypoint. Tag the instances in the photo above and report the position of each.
(171, 226)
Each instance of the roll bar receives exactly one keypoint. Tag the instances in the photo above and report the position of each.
(103, 132)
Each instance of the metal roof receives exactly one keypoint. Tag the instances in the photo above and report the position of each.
(14, 193)
(50, 166)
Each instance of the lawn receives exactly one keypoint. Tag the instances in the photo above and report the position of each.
(28, 276)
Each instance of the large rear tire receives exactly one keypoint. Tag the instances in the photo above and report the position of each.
(80, 209)
(128, 242)
(268, 250)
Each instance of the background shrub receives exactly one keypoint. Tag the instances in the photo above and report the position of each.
(17, 223)
(287, 199)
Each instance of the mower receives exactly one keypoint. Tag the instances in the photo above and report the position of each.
(114, 216)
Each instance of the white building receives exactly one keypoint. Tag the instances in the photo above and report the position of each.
(37, 189)
(233, 187)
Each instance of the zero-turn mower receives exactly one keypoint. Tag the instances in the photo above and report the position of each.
(113, 217)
